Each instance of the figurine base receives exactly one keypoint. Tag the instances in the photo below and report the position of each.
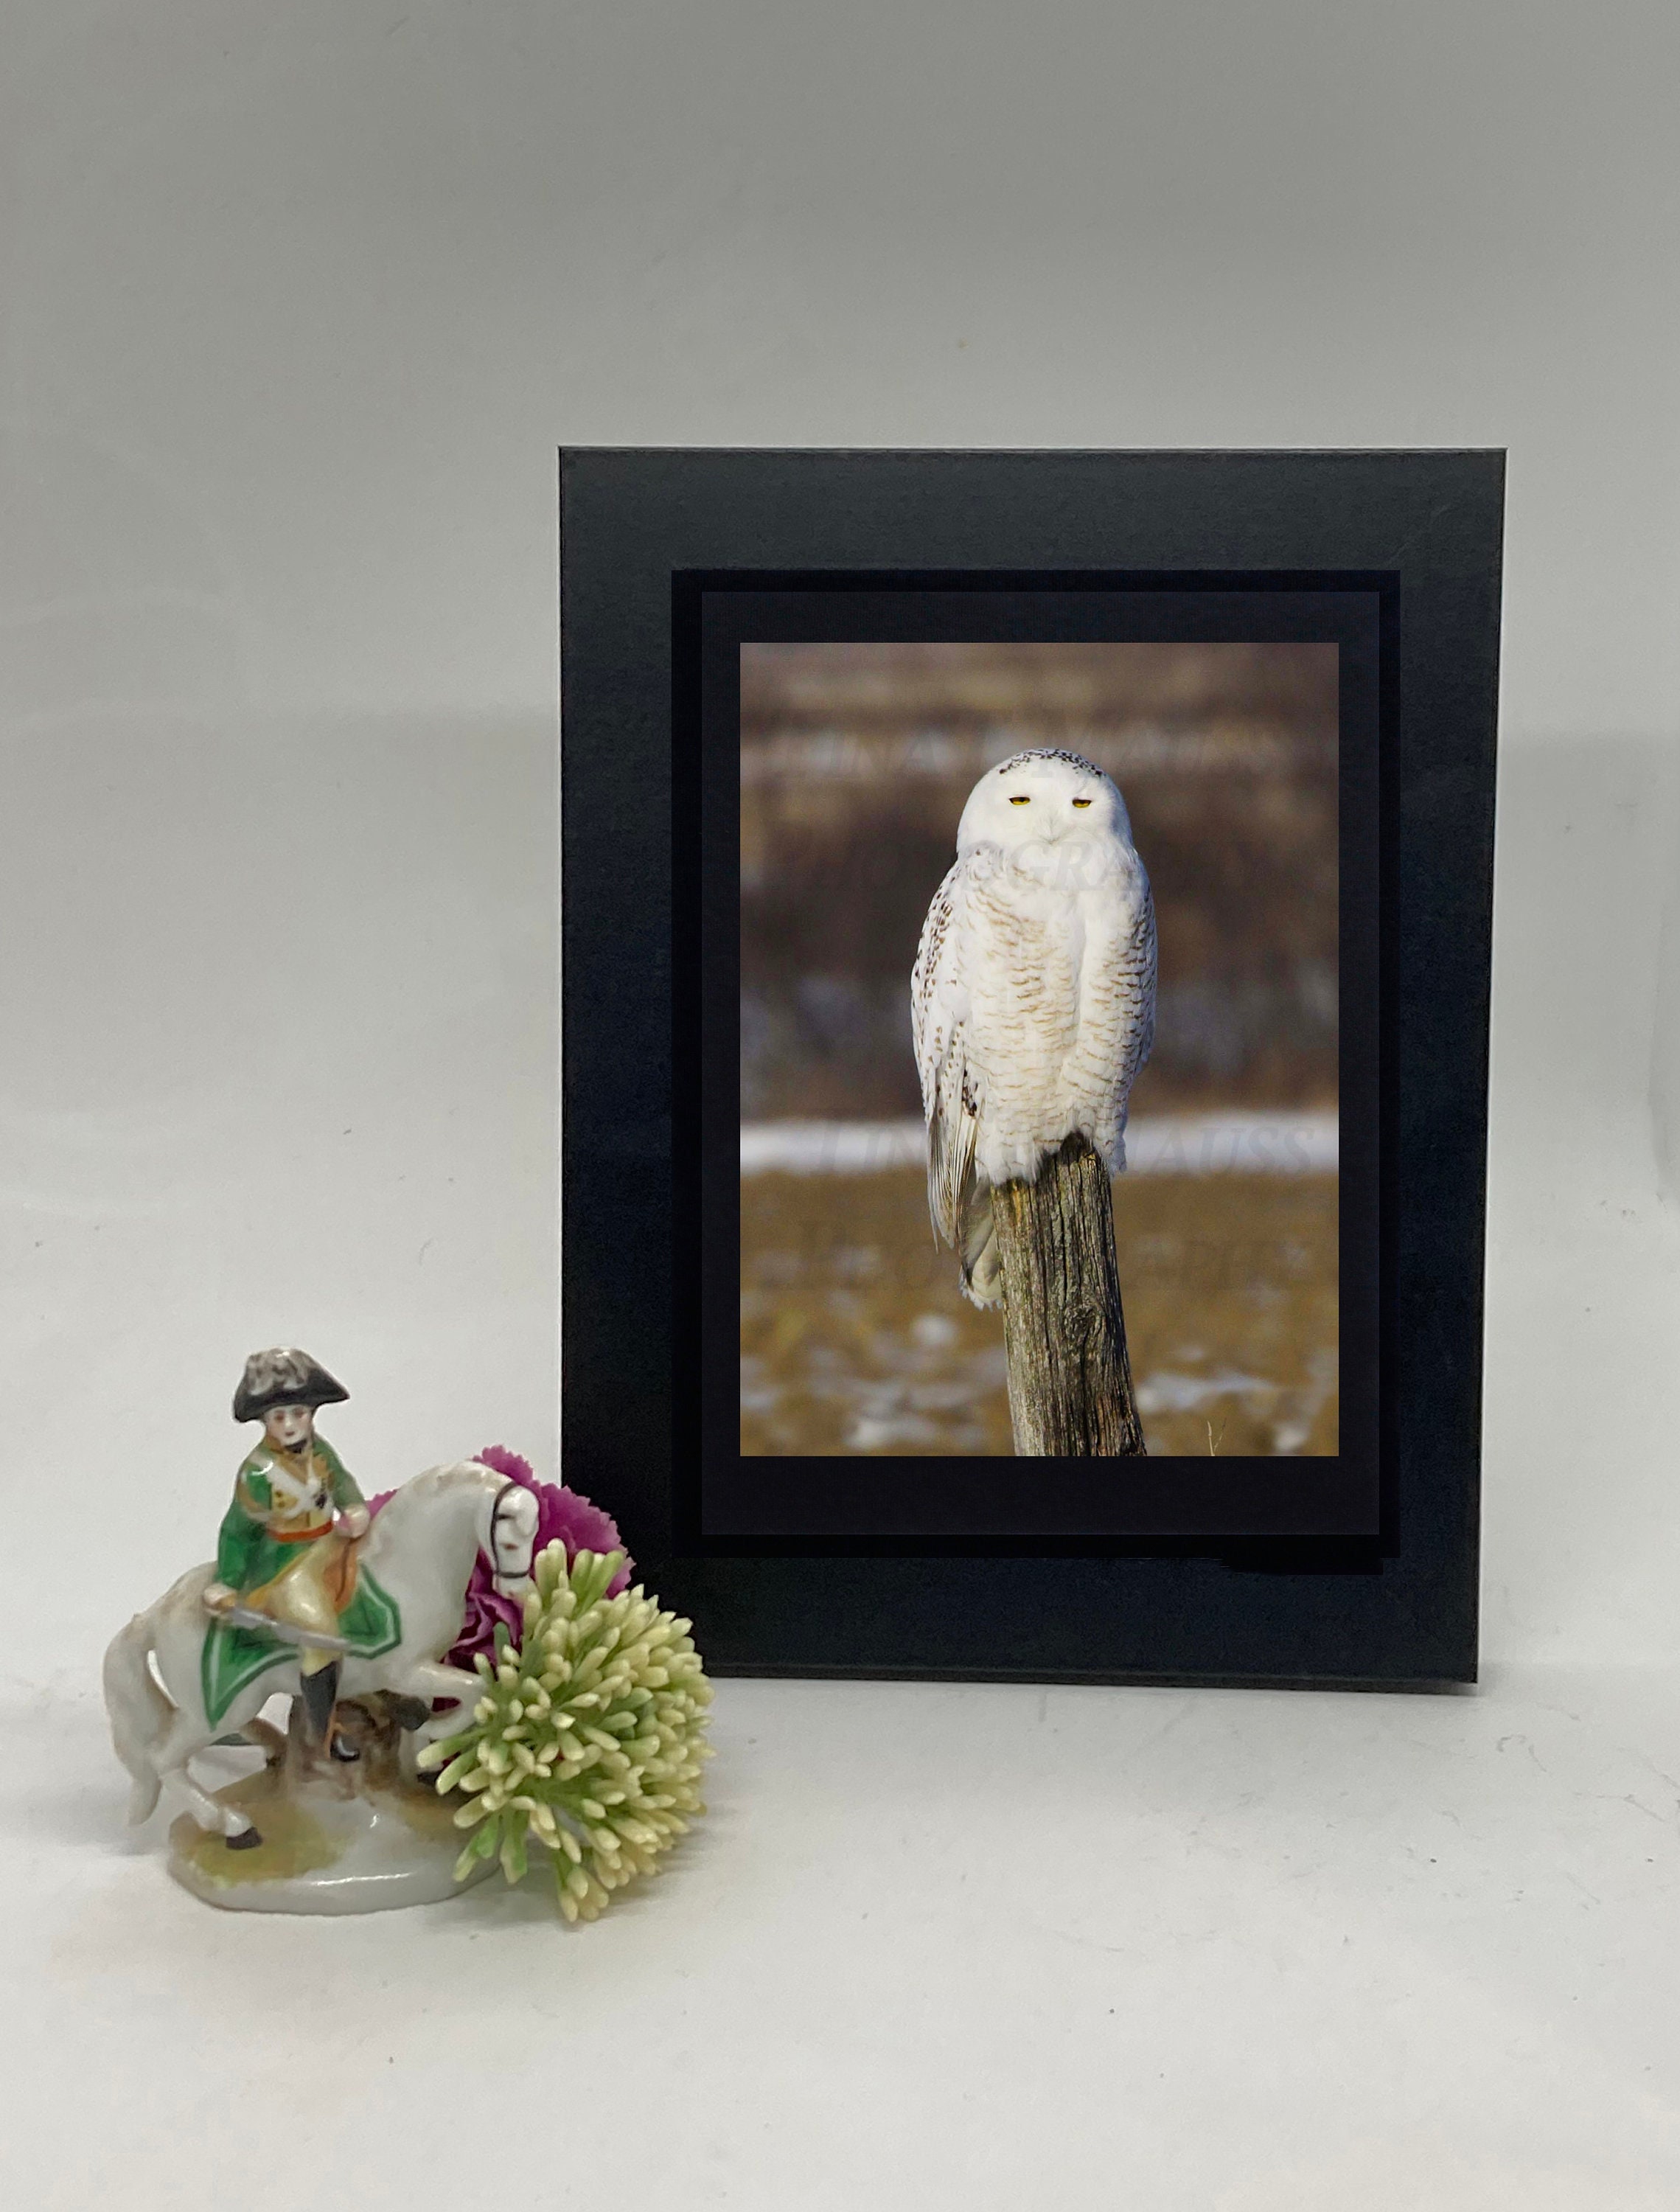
(324, 1849)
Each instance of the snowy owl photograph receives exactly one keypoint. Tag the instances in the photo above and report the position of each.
(1033, 997)
(1039, 1047)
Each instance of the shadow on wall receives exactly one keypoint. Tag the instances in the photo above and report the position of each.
(1587, 956)
(1662, 778)
(1581, 1539)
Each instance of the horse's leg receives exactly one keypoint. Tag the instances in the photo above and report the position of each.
(178, 1647)
(263, 1735)
(430, 1679)
(191, 1733)
(184, 1740)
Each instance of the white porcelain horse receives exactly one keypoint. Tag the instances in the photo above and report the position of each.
(422, 1547)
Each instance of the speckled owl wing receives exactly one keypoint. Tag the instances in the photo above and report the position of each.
(938, 1008)
(1138, 965)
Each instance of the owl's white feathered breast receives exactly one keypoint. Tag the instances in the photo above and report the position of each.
(1032, 995)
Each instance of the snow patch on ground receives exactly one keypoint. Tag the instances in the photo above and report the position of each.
(1156, 1144)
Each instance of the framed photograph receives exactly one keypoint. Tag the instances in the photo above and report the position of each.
(1025, 953)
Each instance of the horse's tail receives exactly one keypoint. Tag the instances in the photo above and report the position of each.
(139, 1710)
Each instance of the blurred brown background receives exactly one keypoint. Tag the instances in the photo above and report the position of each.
(855, 760)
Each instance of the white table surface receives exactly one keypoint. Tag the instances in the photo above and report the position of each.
(970, 1946)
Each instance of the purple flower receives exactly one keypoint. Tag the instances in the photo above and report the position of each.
(562, 1515)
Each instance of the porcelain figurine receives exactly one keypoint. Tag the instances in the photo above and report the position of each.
(310, 1595)
(473, 1683)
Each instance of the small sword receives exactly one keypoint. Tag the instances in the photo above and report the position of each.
(246, 1616)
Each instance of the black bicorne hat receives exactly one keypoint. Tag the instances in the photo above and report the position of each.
(284, 1376)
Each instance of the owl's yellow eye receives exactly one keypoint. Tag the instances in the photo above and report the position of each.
(1081, 802)
(1021, 802)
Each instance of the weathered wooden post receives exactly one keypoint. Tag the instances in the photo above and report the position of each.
(1071, 1393)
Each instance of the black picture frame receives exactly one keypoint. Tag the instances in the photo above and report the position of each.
(654, 544)
(727, 1501)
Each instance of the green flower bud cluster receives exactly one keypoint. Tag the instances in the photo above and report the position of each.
(587, 1740)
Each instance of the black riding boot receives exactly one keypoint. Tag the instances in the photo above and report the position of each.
(320, 1694)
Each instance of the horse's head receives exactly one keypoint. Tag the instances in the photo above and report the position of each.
(513, 1537)
(457, 1512)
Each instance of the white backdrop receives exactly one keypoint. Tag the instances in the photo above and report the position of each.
(298, 303)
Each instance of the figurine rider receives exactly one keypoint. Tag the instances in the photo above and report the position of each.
(288, 1549)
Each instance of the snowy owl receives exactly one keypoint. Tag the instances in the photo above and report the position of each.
(1032, 995)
